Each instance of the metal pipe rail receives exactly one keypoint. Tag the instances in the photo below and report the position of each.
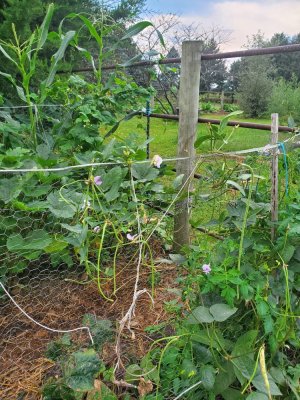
(215, 56)
(252, 125)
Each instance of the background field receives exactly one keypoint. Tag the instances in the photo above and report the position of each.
(164, 134)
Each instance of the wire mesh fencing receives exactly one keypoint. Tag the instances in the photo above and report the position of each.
(91, 242)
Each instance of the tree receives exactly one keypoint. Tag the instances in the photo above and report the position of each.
(252, 78)
(233, 76)
(166, 81)
(24, 14)
(286, 64)
(213, 72)
(255, 86)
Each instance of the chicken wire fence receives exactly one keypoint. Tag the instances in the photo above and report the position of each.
(83, 243)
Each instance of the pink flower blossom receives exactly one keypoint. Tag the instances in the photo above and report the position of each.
(98, 180)
(96, 229)
(131, 237)
(156, 161)
(206, 268)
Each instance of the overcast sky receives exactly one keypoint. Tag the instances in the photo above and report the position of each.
(240, 17)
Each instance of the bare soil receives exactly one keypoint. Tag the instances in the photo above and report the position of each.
(56, 302)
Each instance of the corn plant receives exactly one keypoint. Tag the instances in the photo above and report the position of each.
(24, 58)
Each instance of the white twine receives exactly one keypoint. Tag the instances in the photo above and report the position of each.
(126, 320)
(44, 326)
(172, 159)
(187, 390)
(100, 164)
(32, 106)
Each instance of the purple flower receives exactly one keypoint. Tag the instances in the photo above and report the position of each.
(98, 180)
(206, 268)
(96, 229)
(156, 161)
(131, 237)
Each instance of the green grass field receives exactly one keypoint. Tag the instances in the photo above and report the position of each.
(164, 135)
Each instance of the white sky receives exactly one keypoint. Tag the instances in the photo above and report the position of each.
(240, 17)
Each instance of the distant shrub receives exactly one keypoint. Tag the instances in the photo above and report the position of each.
(230, 107)
(285, 99)
(255, 88)
(208, 106)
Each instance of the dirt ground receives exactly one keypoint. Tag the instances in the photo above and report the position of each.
(59, 303)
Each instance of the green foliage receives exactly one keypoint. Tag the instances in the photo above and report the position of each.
(101, 330)
(208, 107)
(246, 303)
(79, 368)
(230, 107)
(255, 87)
(72, 203)
(217, 133)
(285, 99)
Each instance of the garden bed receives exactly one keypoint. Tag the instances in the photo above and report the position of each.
(61, 304)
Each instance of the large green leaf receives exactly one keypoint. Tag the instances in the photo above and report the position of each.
(9, 189)
(20, 90)
(257, 396)
(59, 206)
(89, 25)
(82, 369)
(259, 383)
(67, 38)
(233, 394)
(43, 32)
(144, 172)
(101, 330)
(211, 337)
(287, 253)
(202, 353)
(136, 29)
(56, 246)
(4, 52)
(221, 312)
(246, 365)
(294, 229)
(208, 376)
(225, 120)
(224, 378)
(200, 315)
(201, 139)
(112, 181)
(35, 240)
(245, 343)
(237, 186)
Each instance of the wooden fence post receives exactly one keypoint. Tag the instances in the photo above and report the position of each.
(222, 98)
(188, 121)
(274, 175)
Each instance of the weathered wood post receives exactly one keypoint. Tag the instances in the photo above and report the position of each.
(188, 120)
(222, 98)
(274, 175)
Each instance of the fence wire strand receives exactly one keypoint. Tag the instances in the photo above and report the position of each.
(45, 289)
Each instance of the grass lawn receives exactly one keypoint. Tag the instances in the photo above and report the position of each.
(164, 142)
(164, 134)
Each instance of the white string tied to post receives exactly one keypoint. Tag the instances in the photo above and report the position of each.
(42, 325)
(165, 160)
(32, 106)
